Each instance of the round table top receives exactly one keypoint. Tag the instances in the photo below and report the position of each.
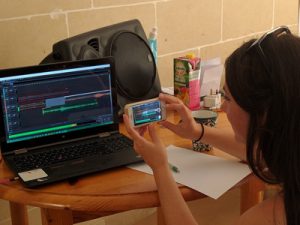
(110, 191)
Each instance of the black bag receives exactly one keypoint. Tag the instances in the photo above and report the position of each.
(136, 74)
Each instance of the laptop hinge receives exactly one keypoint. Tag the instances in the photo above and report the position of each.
(20, 151)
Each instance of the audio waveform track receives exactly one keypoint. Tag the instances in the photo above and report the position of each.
(68, 107)
(34, 101)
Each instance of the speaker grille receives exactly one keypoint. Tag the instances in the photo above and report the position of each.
(94, 43)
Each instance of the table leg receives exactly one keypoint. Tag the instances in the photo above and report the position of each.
(18, 213)
(56, 217)
(251, 193)
(160, 216)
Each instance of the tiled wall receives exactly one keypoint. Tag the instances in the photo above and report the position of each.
(209, 28)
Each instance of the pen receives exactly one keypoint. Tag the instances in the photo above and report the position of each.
(174, 168)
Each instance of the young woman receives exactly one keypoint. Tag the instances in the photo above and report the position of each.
(262, 103)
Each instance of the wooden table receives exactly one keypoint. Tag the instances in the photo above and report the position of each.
(106, 193)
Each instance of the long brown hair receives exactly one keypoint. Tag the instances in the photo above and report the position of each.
(271, 96)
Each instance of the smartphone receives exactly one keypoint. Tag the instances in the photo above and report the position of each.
(145, 112)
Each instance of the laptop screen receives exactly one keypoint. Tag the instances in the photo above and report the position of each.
(56, 102)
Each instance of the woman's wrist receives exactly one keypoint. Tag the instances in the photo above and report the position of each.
(199, 133)
(161, 168)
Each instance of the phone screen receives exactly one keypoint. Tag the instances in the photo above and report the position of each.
(146, 113)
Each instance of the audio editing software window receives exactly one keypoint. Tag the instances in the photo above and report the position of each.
(56, 103)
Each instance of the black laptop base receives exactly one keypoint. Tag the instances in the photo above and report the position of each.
(97, 155)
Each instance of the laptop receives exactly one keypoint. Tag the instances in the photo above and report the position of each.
(60, 121)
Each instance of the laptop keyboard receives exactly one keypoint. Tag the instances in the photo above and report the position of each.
(75, 150)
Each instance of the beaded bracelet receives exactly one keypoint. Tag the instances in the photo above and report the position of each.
(202, 133)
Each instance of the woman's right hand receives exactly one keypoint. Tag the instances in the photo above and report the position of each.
(187, 126)
(153, 151)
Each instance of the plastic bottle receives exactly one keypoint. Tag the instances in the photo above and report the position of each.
(152, 39)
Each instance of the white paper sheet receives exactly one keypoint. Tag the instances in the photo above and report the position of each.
(211, 74)
(210, 175)
(211, 80)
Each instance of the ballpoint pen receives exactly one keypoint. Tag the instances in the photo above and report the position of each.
(174, 168)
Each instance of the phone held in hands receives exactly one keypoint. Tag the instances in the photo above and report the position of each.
(145, 112)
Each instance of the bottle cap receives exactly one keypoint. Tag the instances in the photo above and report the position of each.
(153, 33)
(190, 55)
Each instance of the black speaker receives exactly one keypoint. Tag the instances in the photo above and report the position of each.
(136, 73)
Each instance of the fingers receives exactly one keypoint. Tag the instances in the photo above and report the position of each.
(173, 103)
(142, 130)
(168, 98)
(132, 132)
(175, 107)
(153, 134)
(138, 140)
(127, 125)
(170, 126)
(182, 110)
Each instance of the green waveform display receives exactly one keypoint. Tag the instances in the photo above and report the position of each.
(143, 121)
(68, 107)
(42, 131)
(149, 113)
